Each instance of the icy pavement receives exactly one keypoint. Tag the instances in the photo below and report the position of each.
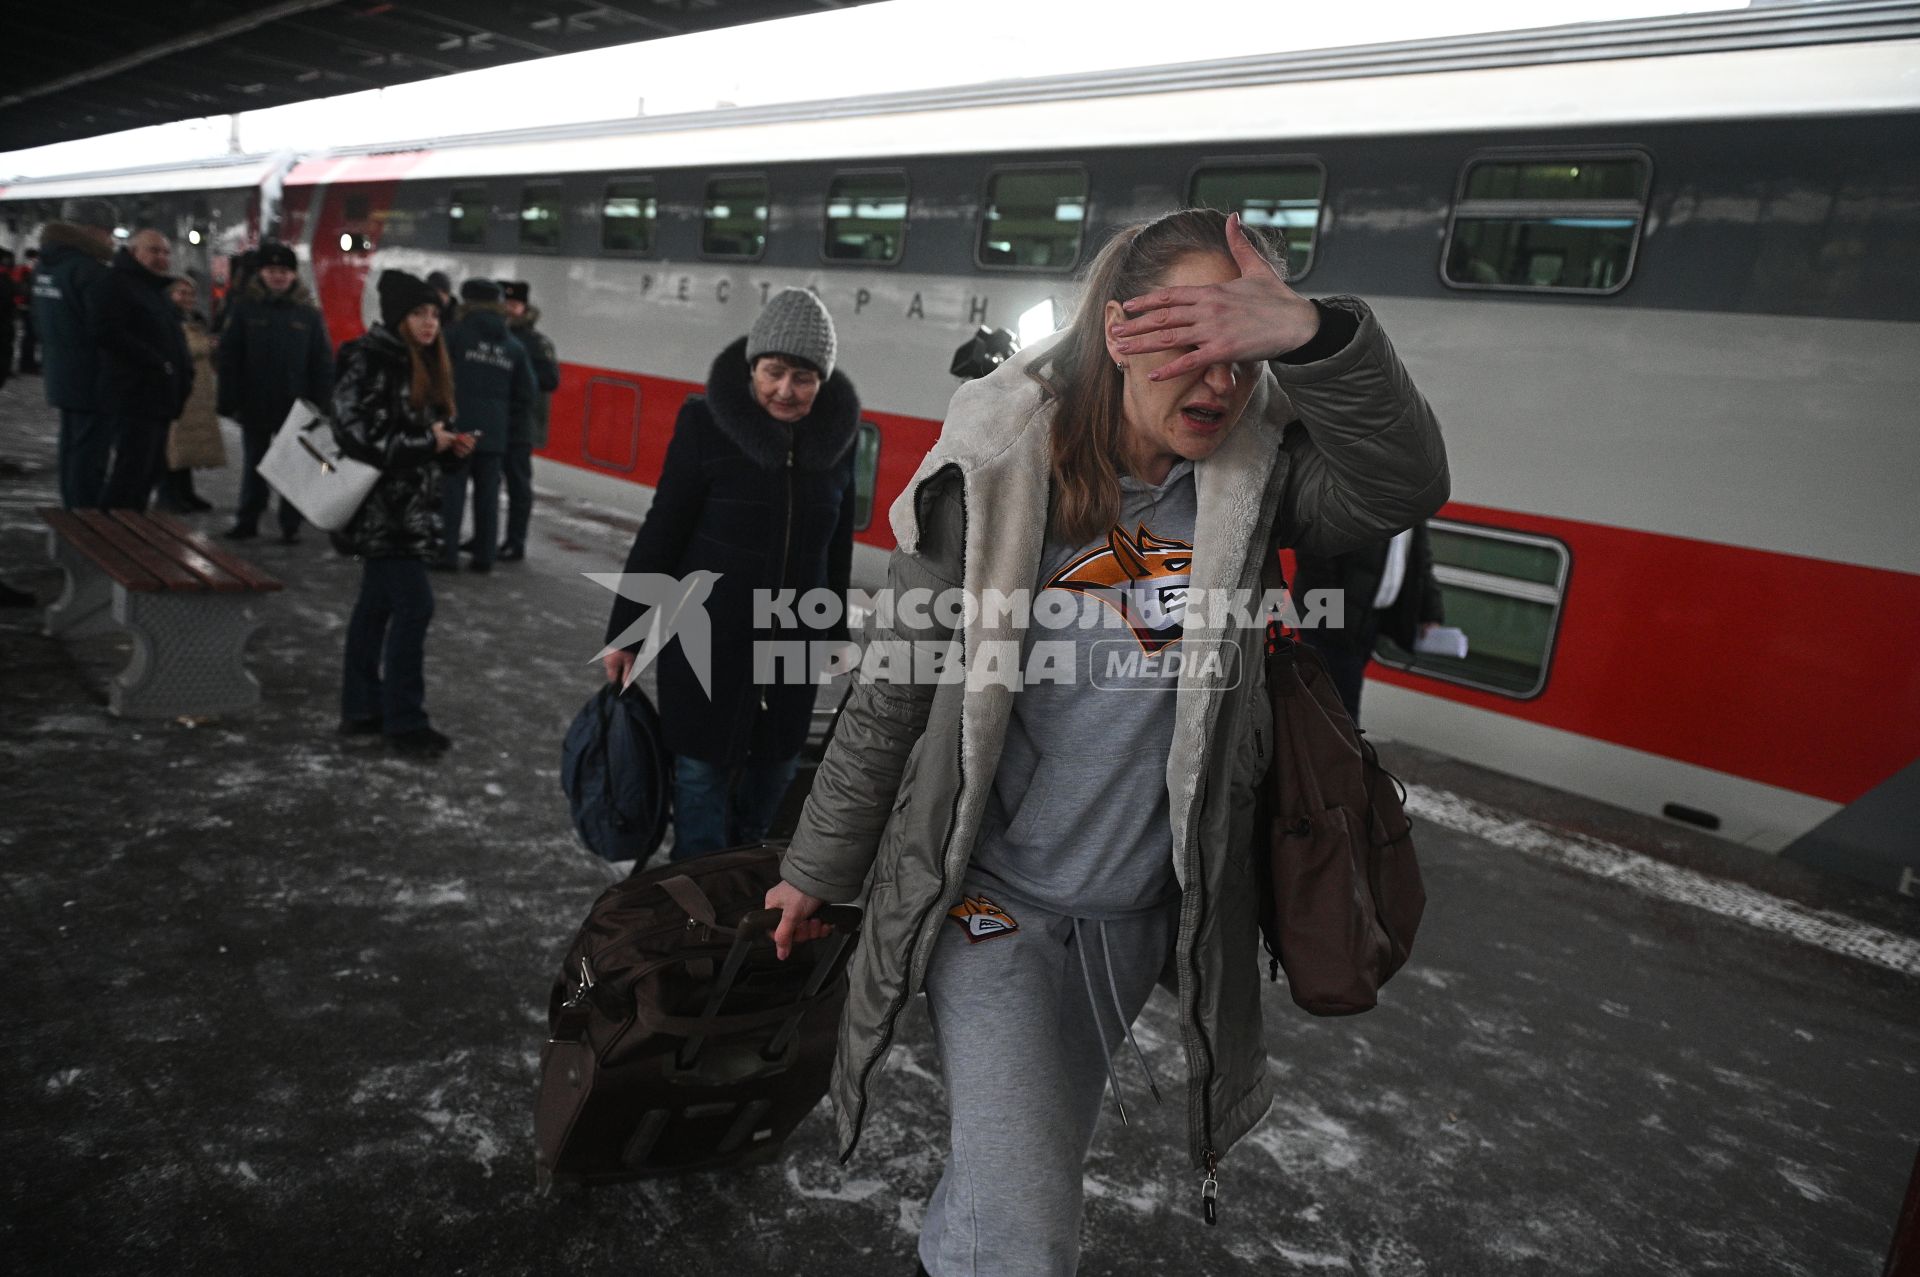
(275, 1004)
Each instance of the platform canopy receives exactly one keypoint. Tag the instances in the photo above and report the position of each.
(79, 69)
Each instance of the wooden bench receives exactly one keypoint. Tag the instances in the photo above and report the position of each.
(187, 603)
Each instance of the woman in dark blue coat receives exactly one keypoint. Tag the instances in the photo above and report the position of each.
(758, 488)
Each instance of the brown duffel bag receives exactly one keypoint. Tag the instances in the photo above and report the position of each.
(1341, 895)
(679, 1042)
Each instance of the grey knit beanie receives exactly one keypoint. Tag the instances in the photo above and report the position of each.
(794, 323)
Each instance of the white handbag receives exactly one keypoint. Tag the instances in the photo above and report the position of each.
(304, 464)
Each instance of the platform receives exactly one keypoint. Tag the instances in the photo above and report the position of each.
(275, 1002)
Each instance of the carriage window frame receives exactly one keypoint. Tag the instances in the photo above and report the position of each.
(1544, 209)
(1552, 595)
(1238, 163)
(827, 219)
(528, 194)
(484, 205)
(649, 218)
(865, 492)
(706, 215)
(981, 220)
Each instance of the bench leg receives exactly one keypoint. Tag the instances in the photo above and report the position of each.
(85, 605)
(189, 655)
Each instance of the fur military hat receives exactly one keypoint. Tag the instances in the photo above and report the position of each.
(273, 253)
(516, 290)
(794, 324)
(479, 290)
(400, 295)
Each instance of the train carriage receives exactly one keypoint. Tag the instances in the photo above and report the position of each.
(1659, 278)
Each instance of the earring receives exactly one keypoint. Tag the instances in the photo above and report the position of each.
(1121, 367)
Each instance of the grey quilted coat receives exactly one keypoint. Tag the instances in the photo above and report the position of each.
(897, 803)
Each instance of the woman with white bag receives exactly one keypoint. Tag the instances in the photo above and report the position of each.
(392, 398)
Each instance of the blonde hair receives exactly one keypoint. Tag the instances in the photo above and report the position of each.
(1087, 446)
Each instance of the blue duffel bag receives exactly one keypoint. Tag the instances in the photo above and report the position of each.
(618, 775)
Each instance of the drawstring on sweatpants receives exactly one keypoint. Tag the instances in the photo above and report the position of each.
(1093, 1006)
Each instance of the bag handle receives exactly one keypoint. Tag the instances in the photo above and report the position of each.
(686, 893)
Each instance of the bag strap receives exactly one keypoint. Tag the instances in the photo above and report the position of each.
(1287, 691)
(686, 893)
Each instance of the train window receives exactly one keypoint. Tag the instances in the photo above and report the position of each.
(540, 216)
(467, 216)
(1504, 589)
(1563, 224)
(734, 223)
(1283, 199)
(1033, 219)
(866, 472)
(866, 217)
(627, 217)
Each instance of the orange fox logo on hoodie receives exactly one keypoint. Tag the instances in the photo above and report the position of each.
(982, 919)
(1143, 577)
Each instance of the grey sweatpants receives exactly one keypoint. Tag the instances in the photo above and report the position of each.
(1020, 1049)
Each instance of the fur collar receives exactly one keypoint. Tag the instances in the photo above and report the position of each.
(820, 440)
(297, 295)
(67, 235)
(996, 438)
(527, 321)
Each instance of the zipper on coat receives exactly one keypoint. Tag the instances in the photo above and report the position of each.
(1210, 1190)
(786, 548)
(1210, 1187)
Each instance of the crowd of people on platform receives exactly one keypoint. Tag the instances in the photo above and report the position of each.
(142, 381)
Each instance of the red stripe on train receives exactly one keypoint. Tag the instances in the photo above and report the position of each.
(1791, 671)
(1761, 665)
(618, 423)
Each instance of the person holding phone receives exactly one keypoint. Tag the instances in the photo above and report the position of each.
(393, 395)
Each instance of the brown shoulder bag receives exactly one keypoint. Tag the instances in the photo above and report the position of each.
(1340, 892)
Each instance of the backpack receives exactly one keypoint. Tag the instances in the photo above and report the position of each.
(1340, 890)
(617, 775)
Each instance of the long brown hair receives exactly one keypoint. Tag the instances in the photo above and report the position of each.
(432, 373)
(1087, 449)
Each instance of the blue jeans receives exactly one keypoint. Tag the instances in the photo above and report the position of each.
(716, 807)
(484, 469)
(256, 492)
(86, 449)
(386, 675)
(519, 494)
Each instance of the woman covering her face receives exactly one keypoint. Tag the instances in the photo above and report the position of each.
(1034, 852)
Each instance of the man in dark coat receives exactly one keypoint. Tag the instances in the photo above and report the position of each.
(494, 390)
(273, 350)
(146, 370)
(1389, 589)
(74, 252)
(757, 487)
(524, 319)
